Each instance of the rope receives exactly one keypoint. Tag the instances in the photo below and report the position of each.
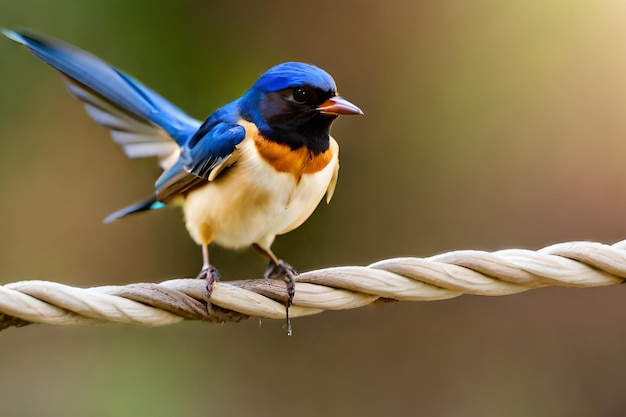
(571, 264)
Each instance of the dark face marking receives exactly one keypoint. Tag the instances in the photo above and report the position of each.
(293, 119)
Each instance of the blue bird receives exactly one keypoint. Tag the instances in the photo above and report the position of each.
(256, 168)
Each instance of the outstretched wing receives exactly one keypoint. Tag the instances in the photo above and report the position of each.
(141, 121)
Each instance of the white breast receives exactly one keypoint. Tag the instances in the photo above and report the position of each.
(252, 203)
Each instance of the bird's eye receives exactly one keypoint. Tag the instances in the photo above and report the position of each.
(300, 95)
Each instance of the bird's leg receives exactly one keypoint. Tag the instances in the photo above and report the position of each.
(279, 269)
(208, 271)
(282, 270)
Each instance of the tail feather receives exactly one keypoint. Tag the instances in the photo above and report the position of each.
(149, 204)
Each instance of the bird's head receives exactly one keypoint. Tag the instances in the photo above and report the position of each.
(295, 104)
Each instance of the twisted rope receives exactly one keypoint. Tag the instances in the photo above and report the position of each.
(571, 264)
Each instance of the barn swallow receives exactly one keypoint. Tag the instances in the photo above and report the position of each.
(256, 168)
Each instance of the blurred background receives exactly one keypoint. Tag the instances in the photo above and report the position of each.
(488, 125)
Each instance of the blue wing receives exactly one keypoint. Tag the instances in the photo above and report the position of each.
(140, 120)
(209, 147)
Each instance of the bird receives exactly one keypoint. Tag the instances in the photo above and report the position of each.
(256, 168)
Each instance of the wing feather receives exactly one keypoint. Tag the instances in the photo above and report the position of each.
(135, 115)
(333, 181)
(206, 154)
(141, 121)
(138, 137)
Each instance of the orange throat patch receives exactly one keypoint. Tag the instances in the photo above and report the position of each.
(297, 162)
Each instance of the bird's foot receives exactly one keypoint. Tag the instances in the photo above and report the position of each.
(210, 274)
(284, 271)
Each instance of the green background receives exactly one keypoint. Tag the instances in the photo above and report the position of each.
(488, 125)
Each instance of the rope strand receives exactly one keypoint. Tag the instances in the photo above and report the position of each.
(570, 264)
